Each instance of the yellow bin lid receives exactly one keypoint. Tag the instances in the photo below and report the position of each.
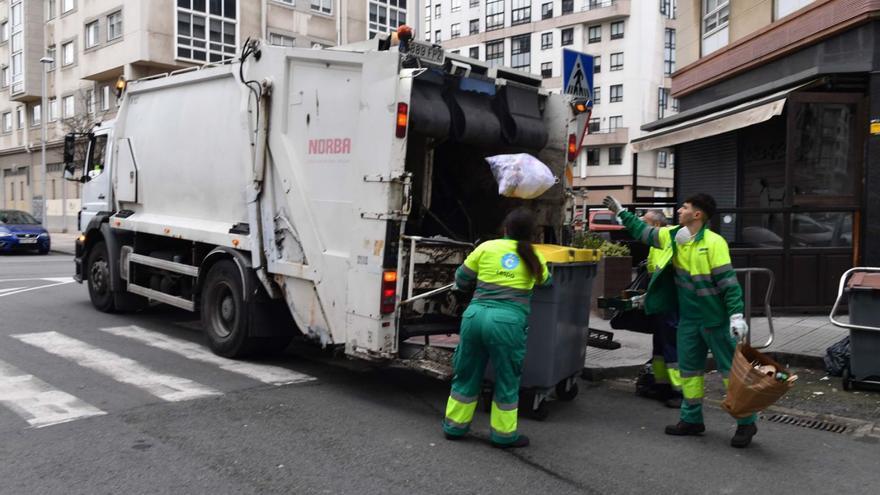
(567, 254)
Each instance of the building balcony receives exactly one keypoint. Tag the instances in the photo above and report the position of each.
(585, 12)
(607, 137)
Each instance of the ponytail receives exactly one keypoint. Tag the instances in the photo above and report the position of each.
(520, 225)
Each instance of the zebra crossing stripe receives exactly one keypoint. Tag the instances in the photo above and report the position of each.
(266, 373)
(37, 402)
(166, 387)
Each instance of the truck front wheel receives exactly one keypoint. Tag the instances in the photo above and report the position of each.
(224, 311)
(98, 267)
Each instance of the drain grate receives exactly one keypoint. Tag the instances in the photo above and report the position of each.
(813, 424)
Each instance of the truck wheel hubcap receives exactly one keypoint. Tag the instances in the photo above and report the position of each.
(225, 312)
(98, 276)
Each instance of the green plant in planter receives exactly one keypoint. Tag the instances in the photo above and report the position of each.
(613, 249)
(589, 240)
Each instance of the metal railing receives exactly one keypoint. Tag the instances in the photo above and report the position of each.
(747, 297)
(840, 289)
(596, 4)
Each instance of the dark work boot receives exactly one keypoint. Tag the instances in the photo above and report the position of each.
(452, 437)
(743, 436)
(684, 428)
(522, 441)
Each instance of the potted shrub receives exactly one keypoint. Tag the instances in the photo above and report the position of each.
(614, 272)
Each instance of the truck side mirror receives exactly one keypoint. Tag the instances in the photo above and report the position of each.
(69, 147)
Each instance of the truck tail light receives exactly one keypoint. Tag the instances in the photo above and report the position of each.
(389, 292)
(402, 119)
(572, 147)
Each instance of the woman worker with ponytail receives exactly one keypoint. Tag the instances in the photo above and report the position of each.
(501, 273)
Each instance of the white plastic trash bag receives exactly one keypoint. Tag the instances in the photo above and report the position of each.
(521, 175)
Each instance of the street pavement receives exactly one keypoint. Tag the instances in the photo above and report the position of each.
(98, 403)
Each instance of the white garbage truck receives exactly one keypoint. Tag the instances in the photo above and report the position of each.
(328, 193)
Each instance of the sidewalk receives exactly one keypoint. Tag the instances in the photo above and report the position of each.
(799, 340)
(63, 243)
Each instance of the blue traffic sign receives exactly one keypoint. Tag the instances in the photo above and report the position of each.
(577, 74)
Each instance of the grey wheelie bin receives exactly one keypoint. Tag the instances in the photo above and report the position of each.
(558, 329)
(863, 298)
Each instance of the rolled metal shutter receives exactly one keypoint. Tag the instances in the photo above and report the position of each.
(709, 166)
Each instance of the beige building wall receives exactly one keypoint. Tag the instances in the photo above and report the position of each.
(746, 17)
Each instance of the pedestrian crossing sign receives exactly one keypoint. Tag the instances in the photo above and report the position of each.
(577, 75)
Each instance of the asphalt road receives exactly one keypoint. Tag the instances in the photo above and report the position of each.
(97, 403)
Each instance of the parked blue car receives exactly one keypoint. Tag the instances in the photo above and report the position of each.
(19, 231)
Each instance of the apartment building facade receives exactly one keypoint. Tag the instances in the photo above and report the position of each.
(95, 42)
(633, 42)
(780, 121)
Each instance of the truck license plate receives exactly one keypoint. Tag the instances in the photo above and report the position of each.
(432, 54)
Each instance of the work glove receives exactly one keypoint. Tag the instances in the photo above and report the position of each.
(739, 329)
(612, 204)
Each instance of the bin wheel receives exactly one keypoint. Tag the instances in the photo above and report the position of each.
(847, 379)
(527, 404)
(566, 395)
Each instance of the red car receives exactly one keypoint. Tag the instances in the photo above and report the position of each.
(603, 221)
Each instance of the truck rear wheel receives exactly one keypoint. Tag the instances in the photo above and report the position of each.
(224, 311)
(98, 269)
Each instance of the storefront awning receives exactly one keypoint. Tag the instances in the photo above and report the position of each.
(743, 115)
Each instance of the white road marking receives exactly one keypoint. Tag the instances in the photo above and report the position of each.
(37, 402)
(166, 387)
(36, 288)
(10, 289)
(265, 373)
(51, 279)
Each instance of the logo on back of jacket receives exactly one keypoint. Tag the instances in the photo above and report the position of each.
(508, 262)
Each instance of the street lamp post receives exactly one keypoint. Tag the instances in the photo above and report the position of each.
(46, 61)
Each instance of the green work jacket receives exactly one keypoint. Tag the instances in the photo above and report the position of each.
(696, 278)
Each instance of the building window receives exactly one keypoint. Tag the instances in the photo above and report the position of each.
(427, 22)
(546, 41)
(437, 11)
(716, 18)
(19, 117)
(597, 95)
(674, 104)
(386, 16)
(547, 10)
(597, 64)
(616, 93)
(105, 98)
(594, 34)
(615, 122)
(494, 14)
(53, 109)
(281, 40)
(616, 61)
(567, 37)
(668, 8)
(68, 53)
(4, 77)
(662, 159)
(474, 26)
(207, 35)
(67, 6)
(617, 30)
(454, 30)
(114, 25)
(669, 51)
(428, 34)
(16, 48)
(521, 52)
(36, 114)
(456, 6)
(51, 9)
(50, 52)
(521, 12)
(662, 102)
(92, 34)
(437, 36)
(90, 102)
(615, 155)
(475, 3)
(7, 122)
(595, 125)
(68, 107)
(547, 69)
(592, 157)
(567, 6)
(322, 6)
(474, 52)
(4, 32)
(782, 8)
(495, 53)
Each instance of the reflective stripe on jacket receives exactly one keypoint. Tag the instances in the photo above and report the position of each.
(698, 272)
(496, 273)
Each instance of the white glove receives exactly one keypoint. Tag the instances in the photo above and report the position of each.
(739, 329)
(612, 204)
(637, 302)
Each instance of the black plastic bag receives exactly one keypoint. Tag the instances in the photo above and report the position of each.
(837, 357)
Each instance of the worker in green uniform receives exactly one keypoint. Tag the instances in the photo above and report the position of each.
(694, 273)
(501, 273)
